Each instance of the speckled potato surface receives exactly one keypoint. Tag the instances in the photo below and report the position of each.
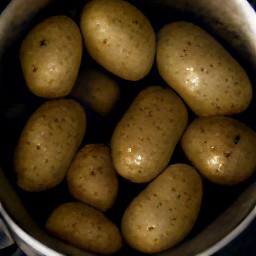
(165, 211)
(144, 139)
(221, 148)
(50, 57)
(84, 227)
(119, 37)
(48, 143)
(97, 90)
(92, 178)
(201, 71)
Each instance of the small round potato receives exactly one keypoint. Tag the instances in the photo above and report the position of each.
(85, 227)
(92, 178)
(119, 37)
(144, 139)
(50, 57)
(221, 148)
(165, 211)
(201, 71)
(48, 143)
(96, 90)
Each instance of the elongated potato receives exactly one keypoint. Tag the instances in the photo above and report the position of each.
(48, 143)
(92, 178)
(201, 71)
(221, 148)
(50, 57)
(165, 211)
(85, 227)
(145, 138)
(119, 37)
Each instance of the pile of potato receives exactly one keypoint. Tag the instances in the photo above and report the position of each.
(199, 77)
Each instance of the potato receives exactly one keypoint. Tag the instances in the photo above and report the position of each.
(48, 143)
(119, 37)
(165, 211)
(85, 227)
(92, 178)
(144, 139)
(221, 148)
(201, 71)
(50, 57)
(97, 90)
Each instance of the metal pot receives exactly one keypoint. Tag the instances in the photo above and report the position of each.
(227, 212)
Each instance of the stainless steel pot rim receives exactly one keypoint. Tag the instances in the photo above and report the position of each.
(23, 239)
(230, 236)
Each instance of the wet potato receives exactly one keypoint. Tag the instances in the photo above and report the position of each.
(92, 178)
(221, 148)
(50, 65)
(84, 227)
(144, 139)
(165, 211)
(119, 38)
(201, 71)
(48, 143)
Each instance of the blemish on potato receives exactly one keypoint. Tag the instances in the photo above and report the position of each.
(34, 68)
(43, 43)
(237, 139)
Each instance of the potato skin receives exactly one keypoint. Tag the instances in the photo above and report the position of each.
(201, 71)
(165, 211)
(97, 90)
(50, 65)
(221, 148)
(144, 139)
(119, 37)
(48, 143)
(92, 178)
(85, 227)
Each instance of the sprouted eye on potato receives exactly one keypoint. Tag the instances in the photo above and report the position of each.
(206, 80)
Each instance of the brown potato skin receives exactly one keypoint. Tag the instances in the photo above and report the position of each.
(144, 139)
(165, 211)
(85, 227)
(91, 177)
(97, 90)
(48, 143)
(221, 148)
(50, 65)
(119, 37)
(201, 71)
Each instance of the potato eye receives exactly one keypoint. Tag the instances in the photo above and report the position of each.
(43, 42)
(236, 139)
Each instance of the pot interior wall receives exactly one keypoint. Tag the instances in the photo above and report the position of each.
(221, 204)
